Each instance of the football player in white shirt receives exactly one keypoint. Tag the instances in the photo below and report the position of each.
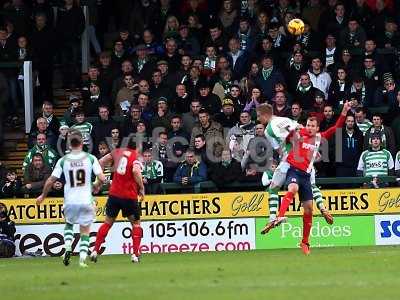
(79, 208)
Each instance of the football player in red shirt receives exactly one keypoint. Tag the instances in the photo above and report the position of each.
(125, 192)
(306, 142)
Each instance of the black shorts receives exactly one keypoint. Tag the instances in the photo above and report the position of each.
(303, 181)
(128, 207)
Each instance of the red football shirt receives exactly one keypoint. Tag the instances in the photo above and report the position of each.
(123, 183)
(305, 148)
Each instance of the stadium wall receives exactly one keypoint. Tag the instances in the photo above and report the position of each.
(219, 222)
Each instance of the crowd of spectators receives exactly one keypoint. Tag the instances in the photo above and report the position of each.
(185, 78)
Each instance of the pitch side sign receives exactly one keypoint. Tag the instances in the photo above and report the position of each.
(217, 205)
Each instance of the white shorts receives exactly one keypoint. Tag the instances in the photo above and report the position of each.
(279, 177)
(79, 213)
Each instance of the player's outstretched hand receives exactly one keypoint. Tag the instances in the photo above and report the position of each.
(39, 199)
(346, 108)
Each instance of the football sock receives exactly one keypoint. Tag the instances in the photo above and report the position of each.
(307, 223)
(287, 199)
(83, 247)
(68, 236)
(101, 236)
(137, 234)
(317, 195)
(273, 202)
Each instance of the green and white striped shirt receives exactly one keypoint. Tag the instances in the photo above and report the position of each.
(397, 162)
(86, 129)
(278, 130)
(364, 126)
(375, 163)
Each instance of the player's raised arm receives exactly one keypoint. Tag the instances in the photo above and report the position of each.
(339, 123)
(100, 177)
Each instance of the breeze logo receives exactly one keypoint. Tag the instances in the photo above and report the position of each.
(387, 229)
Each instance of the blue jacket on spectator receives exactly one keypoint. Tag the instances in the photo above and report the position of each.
(196, 172)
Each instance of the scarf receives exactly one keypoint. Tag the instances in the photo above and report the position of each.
(266, 73)
(209, 63)
(303, 89)
(226, 163)
(369, 72)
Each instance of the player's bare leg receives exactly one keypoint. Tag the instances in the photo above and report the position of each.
(307, 224)
(101, 236)
(286, 201)
(137, 234)
(84, 245)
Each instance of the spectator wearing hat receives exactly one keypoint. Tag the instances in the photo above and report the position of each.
(187, 44)
(142, 63)
(339, 90)
(238, 58)
(228, 117)
(74, 103)
(386, 95)
(209, 101)
(191, 118)
(169, 78)
(62, 147)
(375, 162)
(212, 131)
(162, 117)
(387, 139)
(319, 78)
(353, 36)
(268, 76)
(125, 96)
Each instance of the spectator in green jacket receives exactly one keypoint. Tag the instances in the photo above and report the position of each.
(49, 155)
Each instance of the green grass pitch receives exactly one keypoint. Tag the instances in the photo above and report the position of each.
(330, 273)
